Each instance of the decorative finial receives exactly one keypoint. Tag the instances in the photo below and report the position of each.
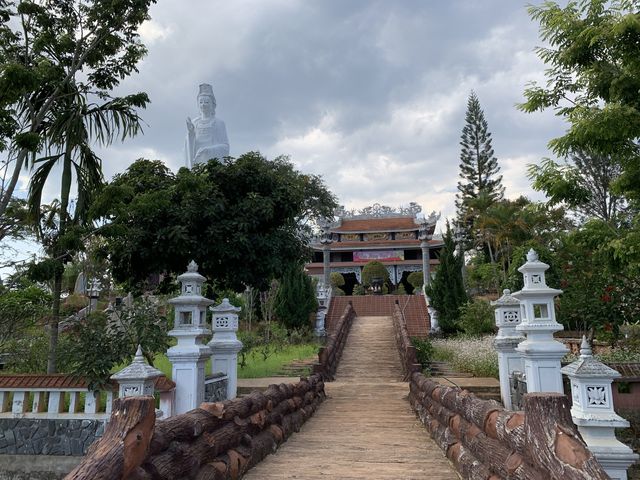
(139, 358)
(532, 256)
(192, 267)
(506, 291)
(585, 348)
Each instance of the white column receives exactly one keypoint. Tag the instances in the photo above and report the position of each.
(426, 266)
(507, 313)
(541, 353)
(433, 313)
(189, 356)
(225, 344)
(427, 227)
(592, 411)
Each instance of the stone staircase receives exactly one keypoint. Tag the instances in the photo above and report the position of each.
(413, 306)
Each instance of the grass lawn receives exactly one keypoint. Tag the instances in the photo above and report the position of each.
(256, 367)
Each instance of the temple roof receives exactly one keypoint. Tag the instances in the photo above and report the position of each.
(391, 224)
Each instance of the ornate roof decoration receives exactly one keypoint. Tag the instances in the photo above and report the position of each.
(588, 366)
(378, 211)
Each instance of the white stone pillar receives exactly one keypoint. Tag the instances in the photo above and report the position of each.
(541, 353)
(425, 234)
(225, 344)
(433, 313)
(593, 412)
(189, 356)
(507, 313)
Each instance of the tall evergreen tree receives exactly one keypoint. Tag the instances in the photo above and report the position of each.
(478, 166)
(446, 291)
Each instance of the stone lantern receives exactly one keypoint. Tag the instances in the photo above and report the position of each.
(138, 378)
(593, 413)
(190, 328)
(507, 313)
(93, 292)
(225, 344)
(323, 293)
(541, 353)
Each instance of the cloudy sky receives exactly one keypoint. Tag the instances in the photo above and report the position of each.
(369, 94)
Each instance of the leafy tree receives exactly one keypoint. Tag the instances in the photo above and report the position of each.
(510, 223)
(483, 277)
(585, 186)
(446, 291)
(478, 166)
(110, 339)
(374, 269)
(242, 220)
(14, 224)
(73, 126)
(593, 79)
(296, 298)
(20, 310)
(51, 51)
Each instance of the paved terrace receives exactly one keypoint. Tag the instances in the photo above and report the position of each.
(366, 428)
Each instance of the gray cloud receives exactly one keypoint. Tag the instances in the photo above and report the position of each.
(369, 94)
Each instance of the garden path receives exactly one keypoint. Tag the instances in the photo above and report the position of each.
(365, 428)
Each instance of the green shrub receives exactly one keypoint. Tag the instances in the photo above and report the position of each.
(416, 279)
(73, 304)
(336, 279)
(373, 270)
(401, 290)
(477, 317)
(359, 290)
(338, 292)
(424, 351)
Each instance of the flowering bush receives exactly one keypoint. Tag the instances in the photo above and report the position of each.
(475, 355)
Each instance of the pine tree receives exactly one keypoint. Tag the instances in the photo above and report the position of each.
(446, 292)
(296, 298)
(480, 185)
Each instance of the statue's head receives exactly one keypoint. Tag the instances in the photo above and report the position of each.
(206, 99)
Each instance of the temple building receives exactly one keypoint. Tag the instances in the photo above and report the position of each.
(398, 238)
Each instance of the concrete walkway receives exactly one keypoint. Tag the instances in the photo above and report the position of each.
(365, 428)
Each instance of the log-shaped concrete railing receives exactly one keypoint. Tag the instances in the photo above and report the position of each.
(215, 441)
(329, 355)
(407, 351)
(485, 441)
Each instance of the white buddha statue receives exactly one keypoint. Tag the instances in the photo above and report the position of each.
(206, 135)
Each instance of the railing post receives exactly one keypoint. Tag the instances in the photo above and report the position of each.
(507, 314)
(224, 344)
(593, 412)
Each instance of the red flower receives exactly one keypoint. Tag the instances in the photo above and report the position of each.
(606, 297)
(609, 288)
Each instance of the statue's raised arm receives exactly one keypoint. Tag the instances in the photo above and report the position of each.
(206, 135)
